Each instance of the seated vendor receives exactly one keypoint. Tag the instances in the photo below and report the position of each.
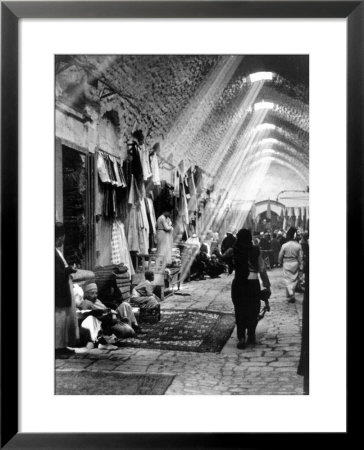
(214, 267)
(199, 265)
(143, 294)
(122, 322)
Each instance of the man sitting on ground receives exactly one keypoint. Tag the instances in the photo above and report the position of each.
(143, 294)
(122, 322)
(214, 267)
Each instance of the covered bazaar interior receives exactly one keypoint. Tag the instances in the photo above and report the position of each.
(159, 161)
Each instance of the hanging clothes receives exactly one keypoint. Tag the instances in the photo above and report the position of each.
(281, 215)
(119, 247)
(121, 175)
(144, 158)
(304, 219)
(155, 170)
(307, 218)
(115, 170)
(151, 234)
(110, 169)
(144, 226)
(127, 171)
(184, 207)
(136, 163)
(102, 169)
(151, 212)
(133, 238)
(176, 184)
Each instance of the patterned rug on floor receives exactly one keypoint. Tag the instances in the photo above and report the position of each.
(185, 330)
(72, 382)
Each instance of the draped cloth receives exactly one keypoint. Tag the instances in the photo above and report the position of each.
(102, 169)
(144, 225)
(176, 184)
(133, 238)
(119, 247)
(155, 170)
(184, 206)
(144, 159)
(151, 213)
(143, 237)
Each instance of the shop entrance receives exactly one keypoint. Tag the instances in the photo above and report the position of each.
(77, 207)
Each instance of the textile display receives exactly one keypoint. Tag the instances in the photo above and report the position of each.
(119, 247)
(155, 169)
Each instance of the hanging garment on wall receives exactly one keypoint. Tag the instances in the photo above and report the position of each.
(176, 184)
(114, 165)
(122, 204)
(145, 225)
(127, 171)
(121, 175)
(119, 247)
(155, 169)
(136, 164)
(131, 199)
(152, 231)
(133, 238)
(144, 158)
(102, 169)
(110, 169)
(142, 235)
(152, 213)
(303, 212)
(184, 207)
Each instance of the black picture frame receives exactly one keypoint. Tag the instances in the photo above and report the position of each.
(11, 13)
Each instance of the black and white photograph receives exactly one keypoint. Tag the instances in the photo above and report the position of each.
(182, 219)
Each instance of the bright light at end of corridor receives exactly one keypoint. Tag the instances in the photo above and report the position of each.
(259, 76)
(263, 105)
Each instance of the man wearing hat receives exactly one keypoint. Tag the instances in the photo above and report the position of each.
(67, 332)
(121, 322)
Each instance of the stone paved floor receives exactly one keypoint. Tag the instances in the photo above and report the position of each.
(268, 368)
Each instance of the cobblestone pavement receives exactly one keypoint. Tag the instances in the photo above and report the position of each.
(268, 368)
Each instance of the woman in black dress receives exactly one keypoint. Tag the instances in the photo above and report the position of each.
(245, 289)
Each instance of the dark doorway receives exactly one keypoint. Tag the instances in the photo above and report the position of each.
(76, 207)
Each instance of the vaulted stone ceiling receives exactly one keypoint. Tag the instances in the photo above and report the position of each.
(206, 110)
